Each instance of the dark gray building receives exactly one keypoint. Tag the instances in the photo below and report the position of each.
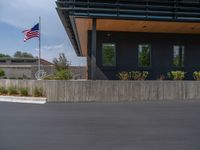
(123, 35)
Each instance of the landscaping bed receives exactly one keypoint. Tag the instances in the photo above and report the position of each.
(22, 94)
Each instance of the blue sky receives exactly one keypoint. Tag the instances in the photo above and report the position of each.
(18, 15)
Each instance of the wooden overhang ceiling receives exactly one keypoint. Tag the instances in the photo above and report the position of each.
(84, 25)
(154, 15)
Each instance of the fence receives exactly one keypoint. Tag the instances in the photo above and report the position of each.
(112, 91)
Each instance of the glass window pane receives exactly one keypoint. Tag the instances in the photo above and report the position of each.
(144, 55)
(178, 56)
(109, 55)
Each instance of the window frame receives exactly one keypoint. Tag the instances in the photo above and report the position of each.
(102, 54)
(150, 59)
(183, 56)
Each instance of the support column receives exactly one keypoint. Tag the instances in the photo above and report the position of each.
(93, 51)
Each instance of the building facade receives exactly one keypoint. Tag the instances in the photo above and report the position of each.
(24, 68)
(79, 72)
(157, 36)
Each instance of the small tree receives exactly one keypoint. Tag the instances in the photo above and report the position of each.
(4, 55)
(61, 63)
(2, 73)
(62, 68)
(63, 75)
(19, 54)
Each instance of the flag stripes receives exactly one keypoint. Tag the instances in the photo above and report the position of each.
(31, 33)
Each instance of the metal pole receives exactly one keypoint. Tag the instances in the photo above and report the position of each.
(39, 46)
(93, 51)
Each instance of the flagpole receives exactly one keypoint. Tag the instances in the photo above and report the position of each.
(39, 68)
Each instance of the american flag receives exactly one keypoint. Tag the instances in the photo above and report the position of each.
(31, 33)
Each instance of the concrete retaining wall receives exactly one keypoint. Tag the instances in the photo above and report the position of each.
(25, 71)
(112, 91)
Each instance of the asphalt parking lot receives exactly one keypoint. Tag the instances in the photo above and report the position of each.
(99, 126)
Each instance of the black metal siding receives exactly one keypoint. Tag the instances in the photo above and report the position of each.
(161, 53)
(172, 10)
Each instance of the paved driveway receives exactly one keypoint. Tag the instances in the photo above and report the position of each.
(129, 126)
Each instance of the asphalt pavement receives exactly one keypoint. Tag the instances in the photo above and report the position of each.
(169, 125)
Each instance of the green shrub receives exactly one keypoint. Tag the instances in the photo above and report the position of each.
(138, 75)
(60, 75)
(12, 90)
(63, 75)
(2, 73)
(3, 90)
(176, 75)
(133, 75)
(123, 75)
(145, 74)
(196, 75)
(38, 92)
(23, 91)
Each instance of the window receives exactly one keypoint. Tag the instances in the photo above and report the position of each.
(30, 61)
(108, 54)
(2, 61)
(144, 55)
(178, 56)
(17, 61)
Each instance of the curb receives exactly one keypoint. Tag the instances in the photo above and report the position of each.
(19, 99)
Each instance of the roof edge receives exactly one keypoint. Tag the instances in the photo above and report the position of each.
(69, 26)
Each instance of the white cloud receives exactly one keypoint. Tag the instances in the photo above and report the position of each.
(52, 47)
(49, 52)
(22, 14)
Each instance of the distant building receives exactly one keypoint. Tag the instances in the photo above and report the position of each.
(16, 68)
(25, 68)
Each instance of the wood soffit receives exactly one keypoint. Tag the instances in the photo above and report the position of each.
(83, 25)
